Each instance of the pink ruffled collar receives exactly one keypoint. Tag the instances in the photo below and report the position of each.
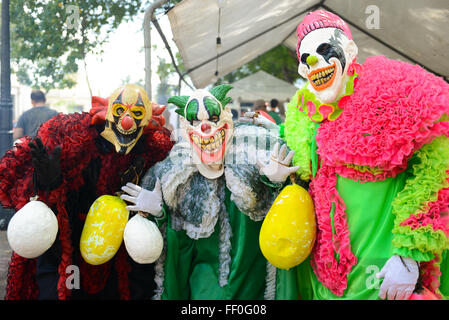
(384, 121)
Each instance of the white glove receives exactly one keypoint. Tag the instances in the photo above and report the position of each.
(257, 119)
(277, 169)
(144, 200)
(400, 276)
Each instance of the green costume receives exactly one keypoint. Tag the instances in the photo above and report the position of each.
(370, 222)
(368, 213)
(444, 286)
(212, 226)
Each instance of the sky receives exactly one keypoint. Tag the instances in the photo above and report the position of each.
(124, 57)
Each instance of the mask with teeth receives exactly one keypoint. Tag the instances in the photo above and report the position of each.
(325, 51)
(129, 112)
(206, 123)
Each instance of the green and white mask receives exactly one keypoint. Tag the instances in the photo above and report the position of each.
(207, 125)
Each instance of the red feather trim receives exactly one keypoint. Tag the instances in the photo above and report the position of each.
(123, 268)
(100, 107)
(157, 120)
(21, 284)
(67, 249)
(77, 137)
(93, 278)
(98, 110)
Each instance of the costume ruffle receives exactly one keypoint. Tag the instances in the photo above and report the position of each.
(21, 284)
(419, 230)
(15, 176)
(195, 201)
(332, 258)
(395, 110)
(430, 275)
(298, 131)
(303, 112)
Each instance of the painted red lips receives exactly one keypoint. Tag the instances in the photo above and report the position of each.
(211, 147)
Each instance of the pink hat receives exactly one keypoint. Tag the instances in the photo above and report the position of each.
(320, 19)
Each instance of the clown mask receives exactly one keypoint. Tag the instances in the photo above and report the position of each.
(325, 54)
(129, 112)
(207, 125)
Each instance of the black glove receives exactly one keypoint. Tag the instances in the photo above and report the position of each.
(47, 168)
(90, 175)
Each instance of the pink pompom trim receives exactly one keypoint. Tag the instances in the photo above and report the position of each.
(330, 272)
(392, 113)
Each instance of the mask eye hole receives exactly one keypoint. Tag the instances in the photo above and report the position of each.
(138, 112)
(212, 106)
(117, 110)
(304, 57)
(214, 118)
(323, 49)
(191, 110)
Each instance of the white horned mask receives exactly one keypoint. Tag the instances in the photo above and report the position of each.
(206, 123)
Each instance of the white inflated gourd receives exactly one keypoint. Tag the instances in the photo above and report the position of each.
(32, 230)
(143, 240)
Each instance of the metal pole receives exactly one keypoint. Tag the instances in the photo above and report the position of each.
(5, 102)
(5, 98)
(149, 13)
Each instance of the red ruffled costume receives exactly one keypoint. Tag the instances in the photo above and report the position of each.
(78, 135)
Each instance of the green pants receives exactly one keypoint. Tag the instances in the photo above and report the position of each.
(191, 268)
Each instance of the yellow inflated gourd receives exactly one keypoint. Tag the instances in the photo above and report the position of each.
(288, 232)
(103, 229)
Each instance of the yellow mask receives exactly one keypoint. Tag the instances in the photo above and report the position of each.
(129, 112)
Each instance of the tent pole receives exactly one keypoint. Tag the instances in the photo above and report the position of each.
(149, 15)
(167, 46)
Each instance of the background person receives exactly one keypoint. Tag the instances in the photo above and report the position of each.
(274, 113)
(31, 120)
(261, 108)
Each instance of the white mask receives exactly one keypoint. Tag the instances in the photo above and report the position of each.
(208, 127)
(325, 57)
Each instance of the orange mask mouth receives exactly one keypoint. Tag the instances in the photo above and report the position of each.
(322, 78)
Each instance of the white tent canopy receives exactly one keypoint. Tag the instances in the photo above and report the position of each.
(261, 85)
(415, 31)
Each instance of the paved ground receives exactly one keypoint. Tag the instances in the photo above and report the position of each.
(5, 254)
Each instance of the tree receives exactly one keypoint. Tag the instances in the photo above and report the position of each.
(165, 70)
(49, 38)
(280, 62)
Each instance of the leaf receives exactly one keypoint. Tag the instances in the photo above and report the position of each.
(47, 49)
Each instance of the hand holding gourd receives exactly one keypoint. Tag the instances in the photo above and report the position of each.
(144, 200)
(278, 168)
